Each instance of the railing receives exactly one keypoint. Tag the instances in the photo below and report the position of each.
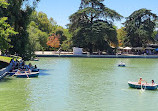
(4, 71)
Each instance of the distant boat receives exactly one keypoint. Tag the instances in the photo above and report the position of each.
(26, 75)
(121, 64)
(35, 59)
(144, 86)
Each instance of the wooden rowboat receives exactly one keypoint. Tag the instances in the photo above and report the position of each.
(144, 86)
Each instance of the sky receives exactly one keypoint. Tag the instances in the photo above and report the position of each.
(60, 10)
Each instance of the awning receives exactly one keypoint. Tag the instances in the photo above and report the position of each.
(127, 48)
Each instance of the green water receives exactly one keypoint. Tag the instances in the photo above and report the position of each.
(82, 84)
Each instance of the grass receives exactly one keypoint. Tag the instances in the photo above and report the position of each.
(7, 59)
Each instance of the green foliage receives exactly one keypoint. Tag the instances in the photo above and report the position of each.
(5, 29)
(121, 35)
(96, 36)
(37, 38)
(92, 26)
(39, 30)
(154, 35)
(65, 37)
(67, 43)
(18, 13)
(139, 26)
(42, 21)
(3, 4)
(42, 27)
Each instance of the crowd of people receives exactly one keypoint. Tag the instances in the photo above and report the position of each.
(21, 66)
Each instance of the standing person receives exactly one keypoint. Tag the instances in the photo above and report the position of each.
(140, 81)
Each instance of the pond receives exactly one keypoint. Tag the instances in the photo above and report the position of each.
(82, 84)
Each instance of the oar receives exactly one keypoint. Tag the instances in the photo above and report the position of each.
(27, 75)
(13, 75)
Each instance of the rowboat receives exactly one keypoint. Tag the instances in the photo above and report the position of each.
(36, 59)
(121, 65)
(26, 75)
(143, 86)
(14, 72)
(10, 73)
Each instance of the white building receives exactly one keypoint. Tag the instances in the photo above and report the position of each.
(77, 51)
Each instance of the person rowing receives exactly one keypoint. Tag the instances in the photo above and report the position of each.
(140, 81)
(26, 72)
(19, 71)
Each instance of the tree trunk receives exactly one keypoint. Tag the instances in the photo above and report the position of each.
(91, 48)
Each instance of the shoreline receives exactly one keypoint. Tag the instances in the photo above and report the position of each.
(100, 56)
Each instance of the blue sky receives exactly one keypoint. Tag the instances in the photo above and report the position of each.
(60, 10)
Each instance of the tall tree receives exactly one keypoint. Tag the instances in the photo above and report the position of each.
(18, 13)
(92, 25)
(5, 29)
(139, 26)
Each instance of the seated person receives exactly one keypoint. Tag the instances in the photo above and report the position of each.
(140, 81)
(18, 72)
(30, 65)
(152, 82)
(35, 67)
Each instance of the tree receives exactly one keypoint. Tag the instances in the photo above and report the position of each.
(92, 25)
(65, 37)
(5, 29)
(39, 29)
(53, 41)
(139, 26)
(42, 21)
(67, 43)
(121, 35)
(18, 13)
(37, 38)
